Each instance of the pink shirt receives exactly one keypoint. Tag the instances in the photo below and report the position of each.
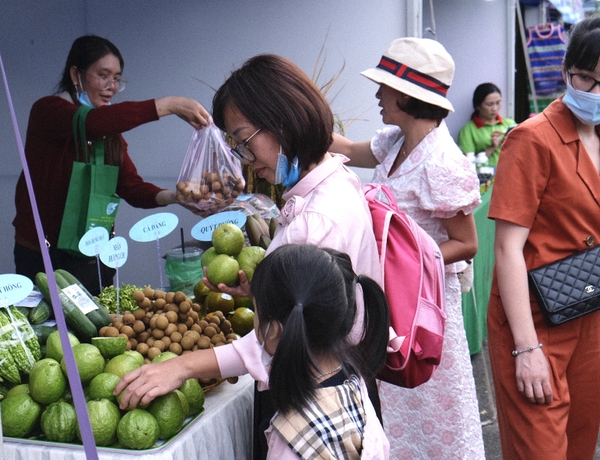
(327, 209)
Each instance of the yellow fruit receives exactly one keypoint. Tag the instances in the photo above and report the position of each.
(223, 269)
(110, 346)
(104, 419)
(102, 386)
(47, 383)
(228, 239)
(138, 429)
(242, 320)
(168, 412)
(54, 347)
(194, 394)
(219, 301)
(20, 413)
(59, 422)
(90, 361)
(121, 365)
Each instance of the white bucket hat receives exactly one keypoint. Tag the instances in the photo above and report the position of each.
(418, 67)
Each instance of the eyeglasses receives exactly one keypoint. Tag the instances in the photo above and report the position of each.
(583, 82)
(242, 152)
(106, 82)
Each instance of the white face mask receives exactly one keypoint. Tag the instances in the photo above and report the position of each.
(585, 106)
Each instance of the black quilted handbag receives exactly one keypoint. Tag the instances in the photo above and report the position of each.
(568, 288)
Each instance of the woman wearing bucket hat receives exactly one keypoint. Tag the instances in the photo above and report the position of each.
(434, 183)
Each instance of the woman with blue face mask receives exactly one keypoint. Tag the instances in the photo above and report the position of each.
(281, 123)
(546, 204)
(92, 76)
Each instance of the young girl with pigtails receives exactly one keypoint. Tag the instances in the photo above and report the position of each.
(305, 299)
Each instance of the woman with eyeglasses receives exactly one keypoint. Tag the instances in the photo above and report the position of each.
(485, 131)
(283, 125)
(92, 76)
(546, 204)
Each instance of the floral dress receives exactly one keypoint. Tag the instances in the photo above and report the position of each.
(440, 418)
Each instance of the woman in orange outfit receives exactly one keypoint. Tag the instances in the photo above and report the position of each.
(546, 203)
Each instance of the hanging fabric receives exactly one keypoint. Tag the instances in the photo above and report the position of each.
(546, 49)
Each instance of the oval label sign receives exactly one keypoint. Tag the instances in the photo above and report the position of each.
(14, 288)
(203, 230)
(114, 253)
(91, 243)
(153, 227)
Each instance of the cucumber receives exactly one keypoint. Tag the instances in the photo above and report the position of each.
(83, 328)
(40, 313)
(71, 279)
(95, 316)
(42, 332)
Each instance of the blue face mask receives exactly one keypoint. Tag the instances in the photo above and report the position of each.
(585, 106)
(83, 97)
(286, 174)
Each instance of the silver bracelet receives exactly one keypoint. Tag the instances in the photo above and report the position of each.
(527, 350)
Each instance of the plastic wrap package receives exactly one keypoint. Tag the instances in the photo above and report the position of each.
(211, 177)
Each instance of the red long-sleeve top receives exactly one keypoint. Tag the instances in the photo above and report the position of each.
(50, 152)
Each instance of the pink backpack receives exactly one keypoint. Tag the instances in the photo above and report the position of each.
(413, 276)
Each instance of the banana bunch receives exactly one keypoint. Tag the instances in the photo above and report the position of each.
(260, 231)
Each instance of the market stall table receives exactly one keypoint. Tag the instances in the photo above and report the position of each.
(224, 430)
(475, 302)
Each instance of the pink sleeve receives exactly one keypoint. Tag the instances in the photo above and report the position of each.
(243, 357)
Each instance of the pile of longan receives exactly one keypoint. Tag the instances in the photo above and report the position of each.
(211, 192)
(168, 321)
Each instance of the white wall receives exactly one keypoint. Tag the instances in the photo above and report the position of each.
(169, 46)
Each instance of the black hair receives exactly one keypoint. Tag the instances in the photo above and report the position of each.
(276, 95)
(583, 50)
(311, 291)
(84, 51)
(423, 110)
(481, 92)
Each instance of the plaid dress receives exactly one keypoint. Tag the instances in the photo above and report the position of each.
(330, 427)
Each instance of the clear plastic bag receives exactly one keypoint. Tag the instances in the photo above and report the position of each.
(211, 177)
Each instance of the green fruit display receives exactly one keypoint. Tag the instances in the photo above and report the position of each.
(59, 422)
(242, 320)
(89, 360)
(110, 346)
(168, 412)
(54, 347)
(20, 413)
(121, 365)
(138, 429)
(194, 394)
(103, 385)
(164, 356)
(228, 239)
(47, 382)
(223, 269)
(104, 419)
(208, 255)
(219, 301)
(184, 403)
(248, 258)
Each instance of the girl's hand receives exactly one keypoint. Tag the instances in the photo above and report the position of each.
(185, 108)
